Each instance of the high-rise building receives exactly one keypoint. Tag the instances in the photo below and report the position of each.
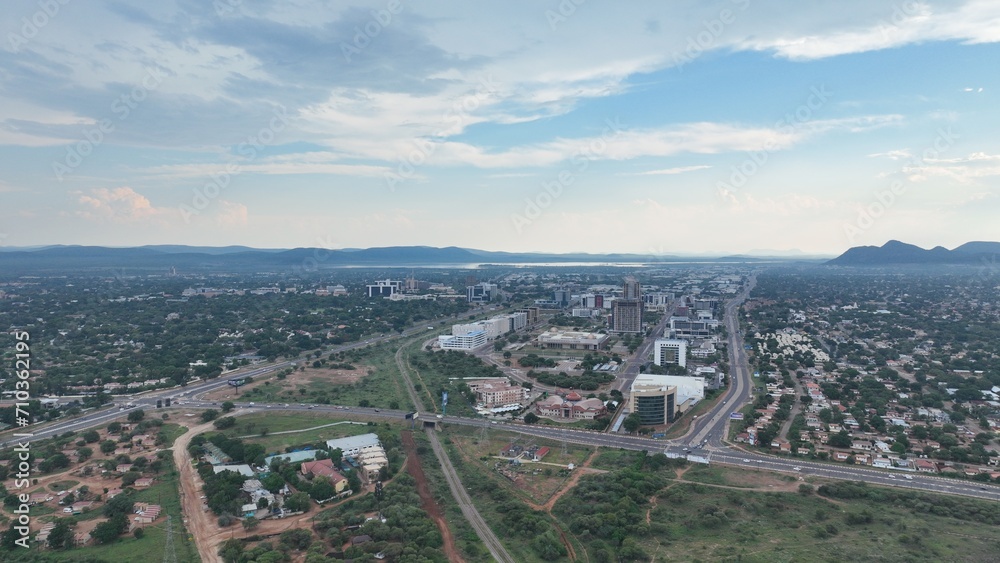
(481, 293)
(626, 313)
(631, 289)
(383, 288)
(654, 402)
(670, 351)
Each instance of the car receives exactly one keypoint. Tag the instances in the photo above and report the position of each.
(687, 449)
(440, 416)
(982, 488)
(251, 403)
(746, 461)
(797, 468)
(68, 510)
(909, 477)
(376, 410)
(309, 407)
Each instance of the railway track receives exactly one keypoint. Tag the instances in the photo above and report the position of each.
(482, 529)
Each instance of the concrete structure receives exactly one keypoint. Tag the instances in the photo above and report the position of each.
(592, 301)
(626, 313)
(555, 339)
(292, 457)
(684, 328)
(571, 407)
(469, 341)
(352, 445)
(383, 288)
(481, 293)
(497, 394)
(653, 400)
(688, 388)
(324, 468)
(242, 469)
(670, 351)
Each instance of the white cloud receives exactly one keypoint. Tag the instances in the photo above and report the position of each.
(669, 171)
(121, 204)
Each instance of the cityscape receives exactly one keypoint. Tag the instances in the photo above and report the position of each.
(520, 282)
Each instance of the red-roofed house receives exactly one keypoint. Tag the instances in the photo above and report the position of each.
(324, 467)
(540, 453)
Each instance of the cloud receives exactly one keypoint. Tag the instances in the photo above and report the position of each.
(116, 204)
(231, 214)
(967, 169)
(907, 23)
(669, 171)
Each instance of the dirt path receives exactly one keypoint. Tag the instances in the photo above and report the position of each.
(199, 522)
(652, 506)
(426, 500)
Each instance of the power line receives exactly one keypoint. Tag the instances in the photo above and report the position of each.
(169, 553)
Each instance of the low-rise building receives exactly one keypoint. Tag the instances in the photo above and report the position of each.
(556, 339)
(572, 406)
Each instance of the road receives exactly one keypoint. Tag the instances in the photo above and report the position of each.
(712, 425)
(625, 376)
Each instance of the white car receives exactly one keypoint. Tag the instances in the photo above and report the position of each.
(909, 477)
(746, 461)
(797, 468)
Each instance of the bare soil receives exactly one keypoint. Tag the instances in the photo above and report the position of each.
(426, 500)
(295, 380)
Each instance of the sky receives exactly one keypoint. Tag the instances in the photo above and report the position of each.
(682, 127)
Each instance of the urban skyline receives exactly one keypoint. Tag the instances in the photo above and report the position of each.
(712, 128)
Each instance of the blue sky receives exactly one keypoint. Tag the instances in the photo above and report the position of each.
(644, 127)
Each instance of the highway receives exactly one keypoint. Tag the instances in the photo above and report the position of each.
(713, 425)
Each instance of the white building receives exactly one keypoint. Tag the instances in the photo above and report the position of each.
(351, 446)
(670, 351)
(688, 388)
(468, 341)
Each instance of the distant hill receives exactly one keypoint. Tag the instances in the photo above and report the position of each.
(896, 252)
(63, 258)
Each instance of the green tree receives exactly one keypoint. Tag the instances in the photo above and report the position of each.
(531, 418)
(228, 406)
(632, 422)
(209, 415)
(108, 446)
(136, 416)
(61, 537)
(250, 523)
(298, 502)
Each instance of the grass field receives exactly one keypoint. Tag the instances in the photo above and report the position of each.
(716, 520)
(380, 387)
(252, 425)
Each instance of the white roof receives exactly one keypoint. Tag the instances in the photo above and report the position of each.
(354, 442)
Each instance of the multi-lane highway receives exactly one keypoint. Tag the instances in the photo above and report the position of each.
(712, 425)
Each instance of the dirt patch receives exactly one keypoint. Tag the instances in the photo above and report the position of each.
(426, 500)
(296, 380)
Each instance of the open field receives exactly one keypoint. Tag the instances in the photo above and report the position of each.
(374, 379)
(736, 515)
(283, 429)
